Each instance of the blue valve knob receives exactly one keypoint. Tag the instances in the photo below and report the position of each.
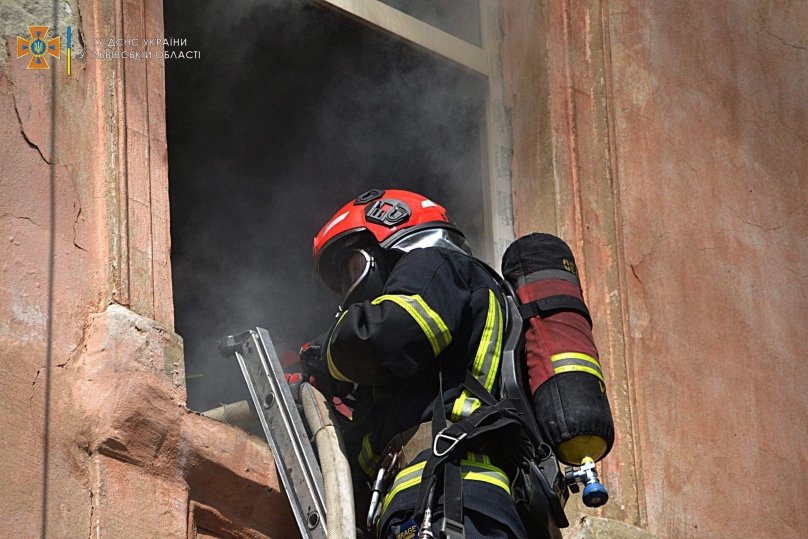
(595, 494)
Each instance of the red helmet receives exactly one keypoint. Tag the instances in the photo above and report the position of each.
(393, 220)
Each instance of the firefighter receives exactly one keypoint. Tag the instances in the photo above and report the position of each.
(418, 314)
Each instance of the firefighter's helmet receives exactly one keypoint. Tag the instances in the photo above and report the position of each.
(356, 249)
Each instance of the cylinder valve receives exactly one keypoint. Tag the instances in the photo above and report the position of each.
(595, 494)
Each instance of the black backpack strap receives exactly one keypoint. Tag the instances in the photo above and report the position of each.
(449, 442)
(553, 304)
(451, 525)
(446, 460)
(478, 390)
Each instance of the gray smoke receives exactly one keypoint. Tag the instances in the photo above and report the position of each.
(291, 112)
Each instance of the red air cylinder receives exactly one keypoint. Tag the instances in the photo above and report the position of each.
(563, 368)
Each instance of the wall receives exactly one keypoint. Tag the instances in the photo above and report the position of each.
(96, 437)
(667, 143)
(52, 227)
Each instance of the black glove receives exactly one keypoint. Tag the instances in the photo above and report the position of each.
(312, 355)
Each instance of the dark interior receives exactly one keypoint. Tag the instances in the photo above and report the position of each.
(291, 111)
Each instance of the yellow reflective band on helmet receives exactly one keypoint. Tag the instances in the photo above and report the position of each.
(470, 470)
(367, 457)
(576, 362)
(430, 322)
(332, 367)
(486, 361)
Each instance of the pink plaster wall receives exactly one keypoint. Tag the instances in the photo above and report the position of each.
(710, 109)
(668, 143)
(33, 460)
(699, 122)
(96, 440)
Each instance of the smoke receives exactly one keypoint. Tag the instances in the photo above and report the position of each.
(292, 111)
(460, 18)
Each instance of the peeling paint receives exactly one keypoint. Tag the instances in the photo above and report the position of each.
(29, 314)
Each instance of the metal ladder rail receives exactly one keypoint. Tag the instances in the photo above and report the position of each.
(283, 427)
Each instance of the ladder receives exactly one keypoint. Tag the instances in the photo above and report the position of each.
(283, 427)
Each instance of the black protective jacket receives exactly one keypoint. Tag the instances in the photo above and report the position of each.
(439, 307)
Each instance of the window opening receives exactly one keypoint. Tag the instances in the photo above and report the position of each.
(292, 111)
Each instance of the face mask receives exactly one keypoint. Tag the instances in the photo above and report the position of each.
(362, 279)
(354, 269)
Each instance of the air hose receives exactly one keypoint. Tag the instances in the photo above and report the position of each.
(339, 503)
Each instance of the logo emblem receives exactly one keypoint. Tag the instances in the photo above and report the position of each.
(388, 212)
(39, 47)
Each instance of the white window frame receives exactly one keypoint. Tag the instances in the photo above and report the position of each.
(496, 137)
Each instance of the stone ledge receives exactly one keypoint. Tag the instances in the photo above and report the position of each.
(130, 396)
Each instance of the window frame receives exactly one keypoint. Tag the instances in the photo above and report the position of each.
(498, 229)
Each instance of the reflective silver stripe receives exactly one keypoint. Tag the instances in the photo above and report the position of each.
(486, 361)
(407, 474)
(576, 362)
(433, 326)
(548, 274)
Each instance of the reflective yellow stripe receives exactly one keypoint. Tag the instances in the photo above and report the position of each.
(575, 355)
(332, 367)
(486, 361)
(484, 466)
(494, 368)
(478, 458)
(579, 368)
(487, 477)
(443, 330)
(367, 457)
(471, 470)
(576, 362)
(406, 478)
(430, 322)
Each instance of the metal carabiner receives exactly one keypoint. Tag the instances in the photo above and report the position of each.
(378, 486)
(454, 441)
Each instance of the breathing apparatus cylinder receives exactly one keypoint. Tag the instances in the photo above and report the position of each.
(561, 360)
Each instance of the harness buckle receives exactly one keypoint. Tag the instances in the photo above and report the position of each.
(451, 529)
(453, 441)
